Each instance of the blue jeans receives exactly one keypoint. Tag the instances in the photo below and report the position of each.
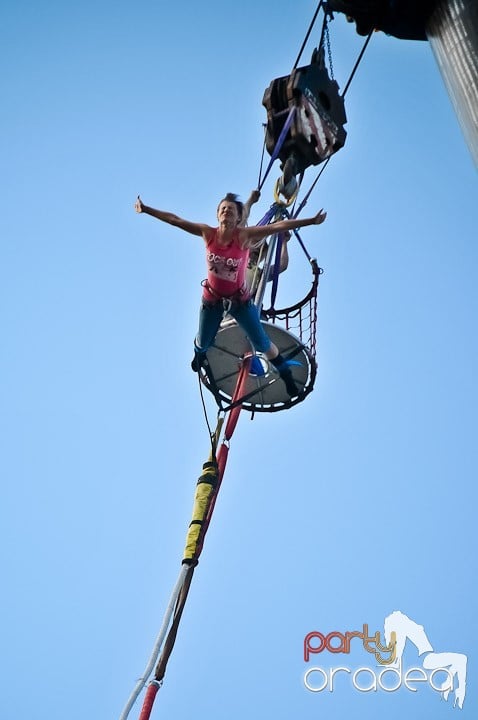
(246, 315)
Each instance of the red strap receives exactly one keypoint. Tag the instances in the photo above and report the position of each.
(148, 701)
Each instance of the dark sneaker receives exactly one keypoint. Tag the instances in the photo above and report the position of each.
(286, 375)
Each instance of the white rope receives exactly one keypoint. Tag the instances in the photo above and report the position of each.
(157, 646)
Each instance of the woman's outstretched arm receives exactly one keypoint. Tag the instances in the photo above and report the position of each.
(257, 232)
(190, 227)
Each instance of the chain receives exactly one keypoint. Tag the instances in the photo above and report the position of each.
(329, 52)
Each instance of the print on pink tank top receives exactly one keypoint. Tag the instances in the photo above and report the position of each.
(226, 268)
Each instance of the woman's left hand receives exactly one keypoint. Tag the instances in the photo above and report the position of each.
(320, 217)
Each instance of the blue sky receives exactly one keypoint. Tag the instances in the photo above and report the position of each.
(355, 503)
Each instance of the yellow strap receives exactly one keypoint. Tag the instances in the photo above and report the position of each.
(204, 490)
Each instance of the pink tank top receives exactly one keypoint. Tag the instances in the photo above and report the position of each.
(226, 269)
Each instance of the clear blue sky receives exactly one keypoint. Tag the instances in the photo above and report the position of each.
(358, 502)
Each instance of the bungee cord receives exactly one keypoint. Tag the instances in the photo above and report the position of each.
(157, 645)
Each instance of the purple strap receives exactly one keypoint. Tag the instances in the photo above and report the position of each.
(276, 267)
(269, 215)
(279, 143)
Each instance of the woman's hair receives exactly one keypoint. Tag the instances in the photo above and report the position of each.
(232, 197)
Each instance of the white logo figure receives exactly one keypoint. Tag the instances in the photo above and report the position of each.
(455, 663)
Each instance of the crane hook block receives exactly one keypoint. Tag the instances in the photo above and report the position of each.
(317, 129)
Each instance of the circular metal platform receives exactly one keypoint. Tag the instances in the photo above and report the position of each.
(265, 391)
